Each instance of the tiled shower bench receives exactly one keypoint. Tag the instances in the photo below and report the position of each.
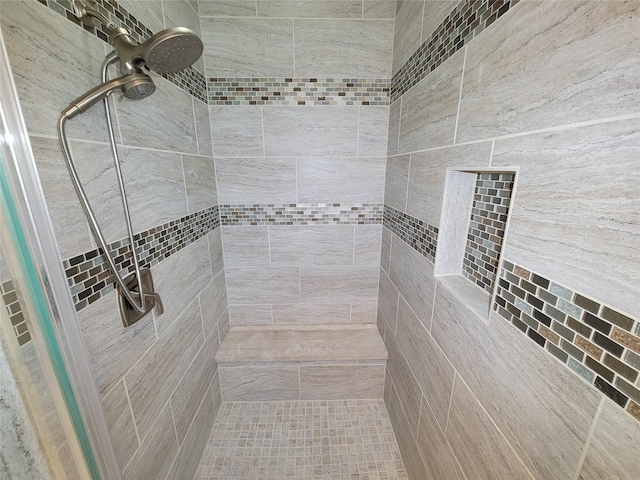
(302, 362)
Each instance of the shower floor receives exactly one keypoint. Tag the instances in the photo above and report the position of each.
(328, 439)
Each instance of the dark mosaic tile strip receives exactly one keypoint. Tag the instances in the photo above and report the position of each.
(465, 22)
(298, 91)
(489, 211)
(420, 235)
(596, 342)
(189, 80)
(90, 277)
(14, 309)
(300, 214)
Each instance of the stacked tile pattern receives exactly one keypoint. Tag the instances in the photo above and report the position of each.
(298, 91)
(489, 211)
(420, 235)
(14, 309)
(597, 342)
(300, 214)
(189, 79)
(305, 440)
(463, 24)
(90, 277)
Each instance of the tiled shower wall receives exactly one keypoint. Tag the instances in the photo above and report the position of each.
(549, 88)
(299, 103)
(156, 377)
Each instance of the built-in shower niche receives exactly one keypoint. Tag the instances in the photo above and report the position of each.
(473, 226)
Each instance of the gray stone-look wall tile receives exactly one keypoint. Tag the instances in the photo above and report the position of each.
(429, 109)
(246, 246)
(396, 181)
(342, 180)
(120, 424)
(112, 348)
(259, 382)
(158, 450)
(385, 255)
(215, 251)
(213, 302)
(310, 131)
(393, 136)
(576, 183)
(408, 27)
(412, 274)
(237, 131)
(435, 11)
(186, 463)
(227, 8)
(367, 246)
(260, 285)
(303, 313)
(70, 71)
(613, 451)
(338, 284)
(478, 445)
(311, 245)
(406, 441)
(155, 187)
(343, 48)
(388, 300)
(247, 47)
(179, 279)
(203, 127)
(503, 367)
(594, 41)
(250, 314)
(193, 387)
(364, 312)
(149, 12)
(373, 127)
(153, 379)
(256, 180)
(164, 120)
(200, 182)
(439, 460)
(341, 382)
(428, 172)
(69, 223)
(429, 364)
(379, 9)
(310, 8)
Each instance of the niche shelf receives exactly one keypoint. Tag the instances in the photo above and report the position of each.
(475, 217)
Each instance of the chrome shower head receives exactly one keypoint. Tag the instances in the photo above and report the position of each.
(135, 86)
(167, 51)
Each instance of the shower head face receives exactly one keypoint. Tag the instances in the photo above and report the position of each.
(172, 50)
(139, 88)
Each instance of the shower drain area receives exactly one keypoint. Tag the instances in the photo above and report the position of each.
(302, 440)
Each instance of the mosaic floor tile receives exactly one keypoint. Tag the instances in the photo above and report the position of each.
(340, 439)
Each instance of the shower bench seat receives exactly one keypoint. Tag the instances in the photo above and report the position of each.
(302, 362)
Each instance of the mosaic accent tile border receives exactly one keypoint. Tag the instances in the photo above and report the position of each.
(465, 22)
(298, 91)
(331, 439)
(190, 80)
(90, 277)
(300, 214)
(422, 236)
(489, 211)
(596, 342)
(14, 309)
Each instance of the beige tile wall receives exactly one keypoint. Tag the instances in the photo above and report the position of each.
(157, 379)
(471, 396)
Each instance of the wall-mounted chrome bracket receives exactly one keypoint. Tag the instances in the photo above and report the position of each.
(127, 312)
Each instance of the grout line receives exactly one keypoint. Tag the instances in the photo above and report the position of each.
(195, 124)
(293, 42)
(587, 444)
(453, 387)
(358, 132)
(264, 147)
(399, 125)
(433, 305)
(184, 185)
(493, 146)
(175, 429)
(464, 62)
(135, 425)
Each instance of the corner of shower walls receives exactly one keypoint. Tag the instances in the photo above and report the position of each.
(158, 379)
(462, 393)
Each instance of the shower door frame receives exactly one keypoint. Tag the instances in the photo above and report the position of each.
(41, 250)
